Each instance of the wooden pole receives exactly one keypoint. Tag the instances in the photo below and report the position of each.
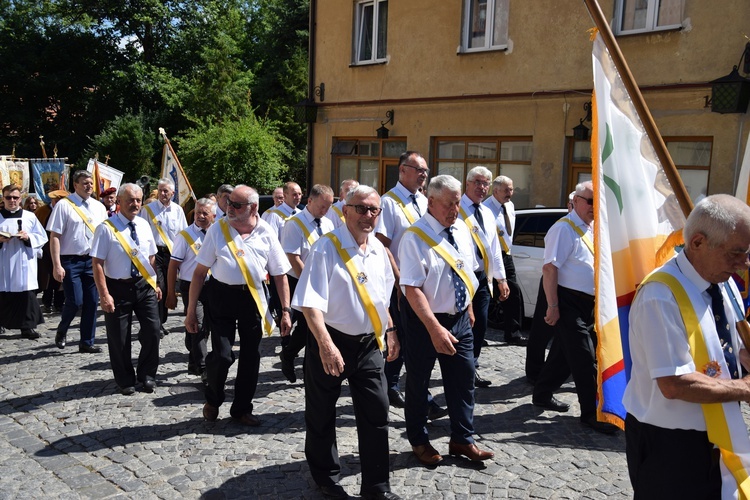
(644, 114)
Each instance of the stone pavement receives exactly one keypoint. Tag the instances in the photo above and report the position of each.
(66, 432)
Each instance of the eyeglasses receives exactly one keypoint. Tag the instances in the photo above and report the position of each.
(236, 205)
(419, 170)
(12, 197)
(363, 209)
(590, 201)
(483, 184)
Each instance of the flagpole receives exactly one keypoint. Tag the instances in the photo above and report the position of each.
(177, 161)
(644, 114)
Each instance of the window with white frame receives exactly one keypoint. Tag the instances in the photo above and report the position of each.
(370, 31)
(485, 25)
(643, 16)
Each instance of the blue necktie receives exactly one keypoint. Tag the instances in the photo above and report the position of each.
(478, 216)
(317, 229)
(414, 202)
(722, 328)
(134, 272)
(459, 287)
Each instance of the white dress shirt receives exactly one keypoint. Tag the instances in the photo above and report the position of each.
(392, 222)
(275, 221)
(181, 251)
(108, 248)
(564, 248)
(293, 239)
(333, 216)
(75, 239)
(326, 281)
(171, 219)
(497, 209)
(495, 251)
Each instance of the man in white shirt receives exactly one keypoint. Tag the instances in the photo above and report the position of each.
(71, 225)
(222, 195)
(346, 342)
(166, 219)
(297, 236)
(439, 286)
(123, 254)
(684, 431)
(336, 214)
(183, 261)
(277, 216)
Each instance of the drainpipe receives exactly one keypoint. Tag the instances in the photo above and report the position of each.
(311, 90)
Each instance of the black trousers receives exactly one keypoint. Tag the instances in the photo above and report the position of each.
(161, 261)
(539, 336)
(513, 304)
(293, 344)
(573, 351)
(392, 369)
(231, 310)
(363, 369)
(671, 463)
(132, 297)
(195, 342)
(481, 306)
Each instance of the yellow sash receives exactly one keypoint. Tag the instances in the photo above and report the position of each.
(503, 244)
(310, 235)
(281, 214)
(338, 212)
(476, 235)
(259, 295)
(158, 227)
(584, 237)
(455, 264)
(719, 432)
(402, 204)
(191, 243)
(359, 278)
(86, 218)
(136, 257)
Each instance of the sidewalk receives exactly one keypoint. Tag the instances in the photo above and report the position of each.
(66, 432)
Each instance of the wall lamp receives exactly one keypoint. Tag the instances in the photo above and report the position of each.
(731, 93)
(382, 132)
(581, 131)
(306, 111)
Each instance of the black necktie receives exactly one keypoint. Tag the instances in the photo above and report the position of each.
(478, 216)
(508, 229)
(414, 202)
(134, 272)
(722, 328)
(317, 229)
(203, 231)
(459, 287)
(294, 211)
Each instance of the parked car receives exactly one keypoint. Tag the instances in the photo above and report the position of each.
(532, 225)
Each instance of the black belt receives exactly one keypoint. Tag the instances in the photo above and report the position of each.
(360, 338)
(448, 316)
(577, 293)
(128, 281)
(75, 257)
(233, 287)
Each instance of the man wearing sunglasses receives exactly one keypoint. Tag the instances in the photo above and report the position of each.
(239, 250)
(297, 236)
(568, 279)
(22, 240)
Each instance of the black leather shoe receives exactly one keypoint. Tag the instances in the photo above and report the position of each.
(396, 399)
(517, 338)
(333, 491)
(553, 404)
(287, 368)
(61, 340)
(435, 412)
(481, 382)
(30, 334)
(89, 349)
(149, 384)
(602, 427)
(127, 391)
(380, 495)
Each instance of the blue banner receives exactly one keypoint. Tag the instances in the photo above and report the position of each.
(49, 175)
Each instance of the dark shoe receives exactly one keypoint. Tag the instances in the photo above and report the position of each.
(210, 413)
(333, 491)
(435, 412)
(89, 349)
(481, 382)
(30, 334)
(248, 419)
(426, 454)
(127, 391)
(380, 495)
(163, 332)
(194, 370)
(396, 399)
(485, 343)
(149, 384)
(602, 427)
(517, 339)
(61, 340)
(287, 368)
(470, 451)
(553, 404)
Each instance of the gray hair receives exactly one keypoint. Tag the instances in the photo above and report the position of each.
(165, 181)
(225, 188)
(253, 198)
(81, 174)
(129, 185)
(361, 190)
(441, 183)
(347, 185)
(478, 171)
(583, 186)
(501, 180)
(207, 202)
(716, 217)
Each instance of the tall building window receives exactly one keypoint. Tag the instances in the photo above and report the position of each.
(510, 156)
(642, 16)
(485, 25)
(373, 162)
(370, 31)
(692, 157)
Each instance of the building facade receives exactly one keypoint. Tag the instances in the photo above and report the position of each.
(502, 83)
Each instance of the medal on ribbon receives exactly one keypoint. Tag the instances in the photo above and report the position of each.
(361, 278)
(712, 369)
(459, 264)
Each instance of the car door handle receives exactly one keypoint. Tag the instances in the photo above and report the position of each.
(521, 255)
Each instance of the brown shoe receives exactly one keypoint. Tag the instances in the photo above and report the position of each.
(426, 454)
(470, 451)
(210, 413)
(248, 419)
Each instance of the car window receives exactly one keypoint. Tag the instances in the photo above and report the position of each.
(531, 228)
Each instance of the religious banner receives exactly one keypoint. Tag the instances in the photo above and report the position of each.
(50, 174)
(104, 175)
(14, 171)
(171, 169)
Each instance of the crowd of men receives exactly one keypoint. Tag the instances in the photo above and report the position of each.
(371, 285)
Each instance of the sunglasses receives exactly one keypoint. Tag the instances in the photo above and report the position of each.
(236, 205)
(12, 197)
(590, 201)
(362, 210)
